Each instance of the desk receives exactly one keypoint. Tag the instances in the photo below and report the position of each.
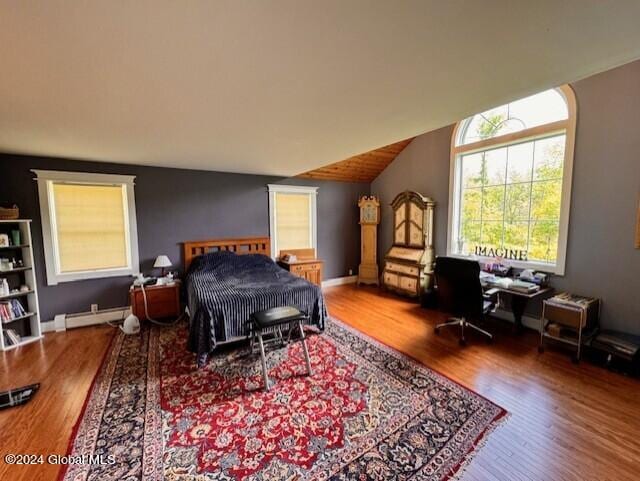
(519, 300)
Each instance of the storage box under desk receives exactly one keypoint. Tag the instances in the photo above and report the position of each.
(574, 317)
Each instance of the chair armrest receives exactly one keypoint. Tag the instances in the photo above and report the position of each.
(490, 297)
(489, 293)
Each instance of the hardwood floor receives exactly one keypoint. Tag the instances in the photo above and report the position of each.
(567, 422)
(64, 364)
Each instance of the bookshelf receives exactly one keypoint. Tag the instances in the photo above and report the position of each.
(27, 324)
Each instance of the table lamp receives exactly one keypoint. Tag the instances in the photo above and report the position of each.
(162, 261)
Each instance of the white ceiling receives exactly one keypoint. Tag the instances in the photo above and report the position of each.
(281, 86)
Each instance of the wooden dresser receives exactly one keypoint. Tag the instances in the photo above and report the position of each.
(306, 264)
(408, 266)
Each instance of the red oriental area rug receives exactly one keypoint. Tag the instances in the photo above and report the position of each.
(366, 413)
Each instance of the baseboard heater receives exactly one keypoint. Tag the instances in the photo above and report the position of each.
(82, 319)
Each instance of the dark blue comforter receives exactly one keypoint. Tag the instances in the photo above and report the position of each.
(224, 289)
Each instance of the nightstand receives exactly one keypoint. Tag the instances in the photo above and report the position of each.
(162, 301)
(306, 265)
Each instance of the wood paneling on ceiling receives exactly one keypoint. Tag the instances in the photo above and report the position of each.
(360, 168)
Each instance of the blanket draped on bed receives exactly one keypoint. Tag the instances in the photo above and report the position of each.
(224, 289)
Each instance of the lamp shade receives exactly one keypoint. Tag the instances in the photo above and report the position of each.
(162, 261)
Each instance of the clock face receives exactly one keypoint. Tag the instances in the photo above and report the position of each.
(369, 214)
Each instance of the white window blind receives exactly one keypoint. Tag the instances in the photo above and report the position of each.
(293, 221)
(292, 217)
(88, 225)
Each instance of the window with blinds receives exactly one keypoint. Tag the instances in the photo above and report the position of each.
(292, 217)
(293, 221)
(88, 225)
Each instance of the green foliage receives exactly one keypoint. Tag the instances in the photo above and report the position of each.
(490, 126)
(522, 214)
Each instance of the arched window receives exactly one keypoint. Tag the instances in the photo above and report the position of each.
(510, 189)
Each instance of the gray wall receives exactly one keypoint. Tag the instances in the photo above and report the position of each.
(601, 258)
(174, 205)
(422, 166)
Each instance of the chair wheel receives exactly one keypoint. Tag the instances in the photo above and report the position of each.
(462, 342)
(436, 330)
(540, 349)
(489, 340)
(575, 360)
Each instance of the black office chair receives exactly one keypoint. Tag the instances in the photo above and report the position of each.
(459, 292)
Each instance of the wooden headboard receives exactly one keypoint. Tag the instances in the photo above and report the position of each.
(247, 245)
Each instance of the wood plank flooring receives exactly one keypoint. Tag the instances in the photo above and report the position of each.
(65, 365)
(567, 422)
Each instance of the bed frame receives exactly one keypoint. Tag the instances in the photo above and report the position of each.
(247, 245)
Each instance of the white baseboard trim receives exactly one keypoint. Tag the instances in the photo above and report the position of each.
(338, 281)
(63, 322)
(48, 326)
(527, 321)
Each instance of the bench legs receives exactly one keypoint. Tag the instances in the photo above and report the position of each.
(263, 357)
(263, 360)
(304, 348)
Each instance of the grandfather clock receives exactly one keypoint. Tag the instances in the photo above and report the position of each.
(369, 220)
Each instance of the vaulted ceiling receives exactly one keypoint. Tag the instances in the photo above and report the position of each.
(281, 87)
(359, 168)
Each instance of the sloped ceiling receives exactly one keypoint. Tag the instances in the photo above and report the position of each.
(281, 86)
(359, 168)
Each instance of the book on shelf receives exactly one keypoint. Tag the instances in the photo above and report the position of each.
(11, 309)
(12, 337)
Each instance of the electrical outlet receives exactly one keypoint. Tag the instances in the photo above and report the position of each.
(94, 308)
(350, 272)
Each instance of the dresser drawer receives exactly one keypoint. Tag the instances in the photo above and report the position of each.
(408, 283)
(156, 295)
(162, 302)
(312, 267)
(392, 266)
(297, 269)
(311, 271)
(390, 279)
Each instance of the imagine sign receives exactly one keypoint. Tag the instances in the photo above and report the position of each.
(511, 254)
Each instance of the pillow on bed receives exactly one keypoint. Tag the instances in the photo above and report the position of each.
(227, 259)
(210, 259)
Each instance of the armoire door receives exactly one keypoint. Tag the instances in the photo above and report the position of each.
(416, 227)
(400, 225)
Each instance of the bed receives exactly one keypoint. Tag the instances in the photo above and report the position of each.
(227, 280)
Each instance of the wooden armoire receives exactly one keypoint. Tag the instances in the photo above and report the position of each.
(408, 266)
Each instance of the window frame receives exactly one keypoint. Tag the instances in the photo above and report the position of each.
(566, 127)
(45, 180)
(312, 192)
